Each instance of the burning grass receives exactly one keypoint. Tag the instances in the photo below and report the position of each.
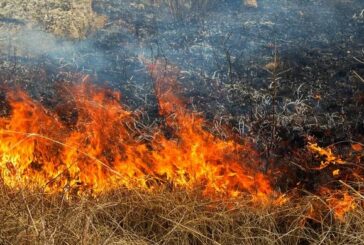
(97, 151)
(79, 172)
(77, 166)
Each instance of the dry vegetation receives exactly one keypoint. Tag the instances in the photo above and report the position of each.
(134, 217)
(77, 19)
(73, 19)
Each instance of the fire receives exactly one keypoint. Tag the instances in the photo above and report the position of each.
(327, 154)
(84, 145)
(198, 155)
(342, 205)
(340, 202)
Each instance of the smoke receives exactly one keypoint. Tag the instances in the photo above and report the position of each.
(36, 44)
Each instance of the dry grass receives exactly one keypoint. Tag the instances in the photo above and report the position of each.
(165, 217)
(71, 19)
(251, 3)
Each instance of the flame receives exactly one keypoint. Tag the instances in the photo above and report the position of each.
(340, 202)
(96, 151)
(198, 155)
(342, 205)
(336, 172)
(24, 144)
(327, 154)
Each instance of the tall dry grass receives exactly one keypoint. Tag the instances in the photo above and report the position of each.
(166, 217)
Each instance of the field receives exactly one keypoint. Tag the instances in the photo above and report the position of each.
(181, 122)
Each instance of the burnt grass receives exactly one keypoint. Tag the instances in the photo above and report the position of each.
(276, 74)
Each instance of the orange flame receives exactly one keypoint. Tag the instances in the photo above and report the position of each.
(342, 205)
(199, 156)
(98, 152)
(329, 156)
(340, 202)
